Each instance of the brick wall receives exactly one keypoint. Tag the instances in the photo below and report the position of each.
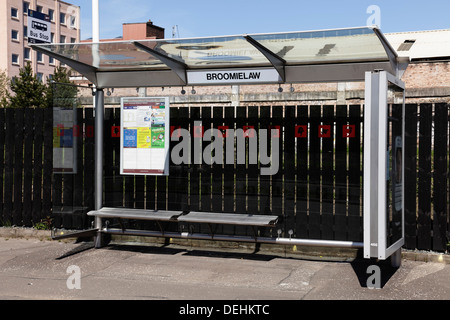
(427, 75)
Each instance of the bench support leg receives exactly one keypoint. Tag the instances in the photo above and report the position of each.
(101, 240)
(211, 230)
(160, 227)
(122, 226)
(98, 240)
(255, 232)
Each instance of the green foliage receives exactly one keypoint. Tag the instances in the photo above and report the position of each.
(5, 223)
(4, 85)
(60, 95)
(44, 224)
(29, 92)
(448, 240)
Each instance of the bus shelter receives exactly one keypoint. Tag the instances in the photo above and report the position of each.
(341, 55)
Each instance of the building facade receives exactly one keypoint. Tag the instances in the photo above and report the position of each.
(15, 51)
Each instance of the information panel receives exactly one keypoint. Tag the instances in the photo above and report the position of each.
(144, 136)
(65, 132)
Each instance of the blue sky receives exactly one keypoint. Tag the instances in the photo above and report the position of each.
(199, 18)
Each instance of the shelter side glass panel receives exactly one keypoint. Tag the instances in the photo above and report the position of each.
(72, 158)
(395, 160)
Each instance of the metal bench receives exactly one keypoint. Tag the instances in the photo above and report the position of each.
(210, 218)
(159, 216)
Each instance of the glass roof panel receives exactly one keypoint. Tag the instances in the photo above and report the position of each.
(341, 45)
(106, 55)
(295, 48)
(206, 52)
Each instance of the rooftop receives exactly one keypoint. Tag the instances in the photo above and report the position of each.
(417, 45)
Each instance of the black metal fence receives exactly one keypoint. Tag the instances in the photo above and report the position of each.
(317, 188)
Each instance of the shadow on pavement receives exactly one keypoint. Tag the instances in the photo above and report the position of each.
(81, 248)
(373, 273)
(370, 272)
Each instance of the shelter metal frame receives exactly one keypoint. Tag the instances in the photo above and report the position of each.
(167, 62)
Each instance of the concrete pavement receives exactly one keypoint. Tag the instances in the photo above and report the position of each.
(51, 270)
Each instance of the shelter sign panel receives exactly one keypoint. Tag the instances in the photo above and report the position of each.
(232, 76)
(144, 142)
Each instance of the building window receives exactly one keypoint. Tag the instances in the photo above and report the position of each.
(62, 39)
(26, 6)
(39, 9)
(406, 45)
(25, 32)
(62, 18)
(14, 13)
(39, 76)
(15, 58)
(27, 53)
(40, 57)
(15, 35)
(51, 60)
(73, 21)
(73, 40)
(51, 14)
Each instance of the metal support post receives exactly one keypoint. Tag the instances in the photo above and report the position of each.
(374, 162)
(99, 118)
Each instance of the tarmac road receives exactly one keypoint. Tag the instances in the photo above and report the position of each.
(50, 270)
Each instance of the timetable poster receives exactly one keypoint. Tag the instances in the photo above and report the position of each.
(64, 140)
(144, 130)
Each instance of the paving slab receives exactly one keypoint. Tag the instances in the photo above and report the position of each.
(38, 269)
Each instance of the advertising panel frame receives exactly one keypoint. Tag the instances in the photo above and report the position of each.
(149, 157)
(377, 166)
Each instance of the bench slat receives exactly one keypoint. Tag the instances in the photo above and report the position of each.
(229, 218)
(138, 214)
